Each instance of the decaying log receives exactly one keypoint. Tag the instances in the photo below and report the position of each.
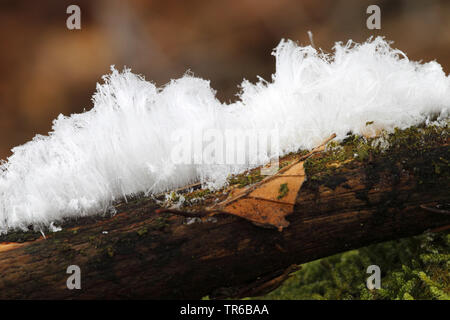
(141, 253)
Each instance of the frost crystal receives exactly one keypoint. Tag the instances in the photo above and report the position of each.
(123, 145)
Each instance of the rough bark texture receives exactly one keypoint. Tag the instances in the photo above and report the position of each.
(160, 255)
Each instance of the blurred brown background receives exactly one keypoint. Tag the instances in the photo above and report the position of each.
(47, 69)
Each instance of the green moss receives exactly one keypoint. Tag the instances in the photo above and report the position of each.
(142, 231)
(243, 180)
(197, 194)
(283, 191)
(336, 153)
(411, 268)
(399, 148)
(95, 241)
(20, 236)
(174, 197)
(110, 251)
(159, 223)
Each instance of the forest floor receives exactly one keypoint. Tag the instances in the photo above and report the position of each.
(411, 268)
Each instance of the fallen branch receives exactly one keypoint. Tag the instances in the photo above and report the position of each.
(145, 253)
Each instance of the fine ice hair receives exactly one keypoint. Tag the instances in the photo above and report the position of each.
(122, 146)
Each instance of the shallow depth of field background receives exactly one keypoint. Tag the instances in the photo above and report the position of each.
(47, 69)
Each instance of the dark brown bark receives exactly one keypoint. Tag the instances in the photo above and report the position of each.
(159, 255)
